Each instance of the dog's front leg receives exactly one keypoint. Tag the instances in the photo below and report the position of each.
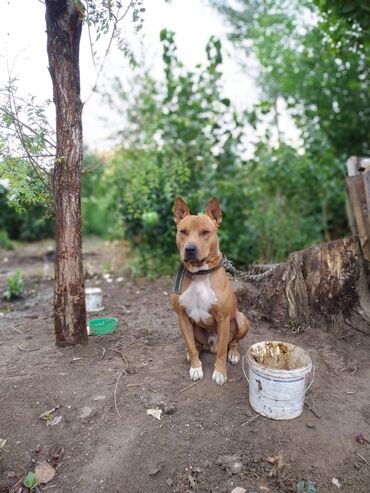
(223, 331)
(187, 332)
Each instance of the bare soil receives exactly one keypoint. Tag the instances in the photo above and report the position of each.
(102, 446)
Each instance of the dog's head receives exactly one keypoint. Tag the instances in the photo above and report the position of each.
(197, 235)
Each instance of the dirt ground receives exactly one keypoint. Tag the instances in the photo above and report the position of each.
(95, 450)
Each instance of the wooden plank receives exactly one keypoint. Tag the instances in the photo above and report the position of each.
(356, 165)
(359, 208)
(353, 166)
(366, 176)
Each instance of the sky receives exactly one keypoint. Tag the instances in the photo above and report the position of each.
(23, 53)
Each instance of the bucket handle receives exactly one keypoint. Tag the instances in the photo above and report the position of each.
(312, 372)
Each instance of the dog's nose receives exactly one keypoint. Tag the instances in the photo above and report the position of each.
(190, 251)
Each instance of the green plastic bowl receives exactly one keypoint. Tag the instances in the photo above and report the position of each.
(102, 326)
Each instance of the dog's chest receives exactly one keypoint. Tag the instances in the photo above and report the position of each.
(198, 298)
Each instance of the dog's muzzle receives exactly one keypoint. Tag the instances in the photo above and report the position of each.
(191, 252)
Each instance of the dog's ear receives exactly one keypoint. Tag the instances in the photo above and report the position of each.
(214, 211)
(181, 210)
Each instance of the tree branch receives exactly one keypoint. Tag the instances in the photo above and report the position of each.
(115, 24)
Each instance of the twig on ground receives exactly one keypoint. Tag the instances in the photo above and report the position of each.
(121, 354)
(188, 386)
(363, 458)
(115, 393)
(313, 411)
(26, 350)
(250, 420)
(31, 315)
(102, 356)
(15, 328)
(122, 307)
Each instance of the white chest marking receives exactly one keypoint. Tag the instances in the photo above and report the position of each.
(198, 298)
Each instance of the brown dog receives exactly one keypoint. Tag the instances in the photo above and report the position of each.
(205, 302)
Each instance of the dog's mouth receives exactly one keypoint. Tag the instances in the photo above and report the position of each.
(194, 261)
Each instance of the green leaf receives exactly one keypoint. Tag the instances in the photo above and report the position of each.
(30, 481)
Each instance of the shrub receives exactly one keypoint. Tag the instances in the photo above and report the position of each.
(15, 286)
(5, 241)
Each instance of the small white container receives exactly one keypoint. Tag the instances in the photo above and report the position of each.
(279, 375)
(94, 299)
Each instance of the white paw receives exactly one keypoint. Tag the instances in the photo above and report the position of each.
(196, 373)
(219, 377)
(233, 357)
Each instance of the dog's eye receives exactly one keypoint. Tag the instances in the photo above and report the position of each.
(183, 232)
(205, 232)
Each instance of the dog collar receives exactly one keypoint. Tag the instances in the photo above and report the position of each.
(182, 271)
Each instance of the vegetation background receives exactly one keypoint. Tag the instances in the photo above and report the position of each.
(182, 136)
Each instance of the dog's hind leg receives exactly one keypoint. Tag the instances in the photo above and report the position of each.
(242, 327)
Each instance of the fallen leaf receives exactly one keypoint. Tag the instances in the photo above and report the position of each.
(278, 465)
(54, 421)
(44, 472)
(154, 471)
(336, 482)
(192, 482)
(361, 439)
(156, 413)
(48, 415)
(30, 481)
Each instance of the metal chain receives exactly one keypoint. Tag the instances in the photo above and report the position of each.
(255, 273)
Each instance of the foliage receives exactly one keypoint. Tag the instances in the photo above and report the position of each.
(26, 159)
(23, 221)
(98, 212)
(353, 11)
(315, 60)
(15, 286)
(181, 139)
(184, 138)
(30, 481)
(295, 200)
(5, 241)
(26, 147)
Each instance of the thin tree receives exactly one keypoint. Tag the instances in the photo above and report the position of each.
(64, 27)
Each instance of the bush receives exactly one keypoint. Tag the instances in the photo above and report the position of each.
(5, 241)
(27, 222)
(183, 138)
(15, 286)
(99, 215)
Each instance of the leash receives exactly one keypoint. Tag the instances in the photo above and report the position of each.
(180, 274)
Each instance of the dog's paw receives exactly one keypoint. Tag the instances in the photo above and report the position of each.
(233, 357)
(219, 377)
(196, 373)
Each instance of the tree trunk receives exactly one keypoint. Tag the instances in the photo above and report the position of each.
(64, 25)
(323, 285)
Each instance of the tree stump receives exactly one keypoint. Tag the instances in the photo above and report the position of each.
(323, 285)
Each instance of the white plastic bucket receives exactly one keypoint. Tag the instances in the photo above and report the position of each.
(94, 299)
(279, 375)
